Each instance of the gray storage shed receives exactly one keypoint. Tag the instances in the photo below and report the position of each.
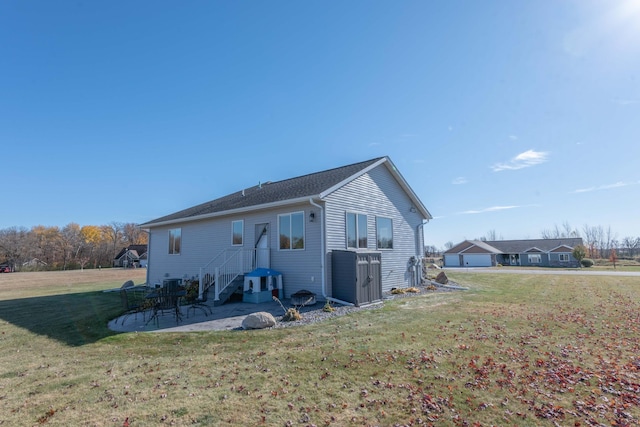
(356, 276)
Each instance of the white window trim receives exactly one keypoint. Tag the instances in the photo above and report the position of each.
(241, 221)
(358, 233)
(378, 238)
(565, 256)
(304, 231)
(535, 259)
(172, 249)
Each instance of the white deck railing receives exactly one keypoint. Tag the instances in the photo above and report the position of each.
(222, 270)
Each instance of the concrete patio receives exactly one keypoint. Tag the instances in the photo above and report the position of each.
(225, 317)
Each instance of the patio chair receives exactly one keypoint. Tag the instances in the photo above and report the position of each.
(195, 302)
(167, 300)
(130, 307)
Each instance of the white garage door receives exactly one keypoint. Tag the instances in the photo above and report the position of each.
(477, 260)
(452, 260)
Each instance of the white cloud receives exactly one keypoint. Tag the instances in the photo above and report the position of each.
(625, 102)
(605, 187)
(459, 180)
(375, 144)
(523, 160)
(513, 137)
(491, 209)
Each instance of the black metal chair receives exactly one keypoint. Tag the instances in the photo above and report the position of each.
(195, 302)
(167, 299)
(130, 307)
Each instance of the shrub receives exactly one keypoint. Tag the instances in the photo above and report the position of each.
(586, 262)
(328, 307)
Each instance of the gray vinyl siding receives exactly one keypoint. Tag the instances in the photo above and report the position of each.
(203, 240)
(376, 193)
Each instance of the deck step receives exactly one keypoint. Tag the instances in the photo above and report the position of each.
(236, 286)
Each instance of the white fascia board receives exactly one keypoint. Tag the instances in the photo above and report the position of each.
(344, 182)
(396, 174)
(230, 212)
(562, 246)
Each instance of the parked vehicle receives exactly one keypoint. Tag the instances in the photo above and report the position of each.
(5, 269)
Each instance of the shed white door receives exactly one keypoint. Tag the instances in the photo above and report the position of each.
(477, 260)
(452, 260)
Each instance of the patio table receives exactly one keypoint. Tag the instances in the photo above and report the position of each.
(165, 299)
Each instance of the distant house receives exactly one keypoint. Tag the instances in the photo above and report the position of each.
(34, 263)
(131, 256)
(537, 252)
(294, 227)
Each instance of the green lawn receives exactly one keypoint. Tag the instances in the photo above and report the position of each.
(512, 350)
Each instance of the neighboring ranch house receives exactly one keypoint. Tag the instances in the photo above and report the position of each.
(131, 256)
(537, 252)
(293, 227)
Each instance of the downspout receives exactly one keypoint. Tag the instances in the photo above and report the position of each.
(420, 252)
(323, 256)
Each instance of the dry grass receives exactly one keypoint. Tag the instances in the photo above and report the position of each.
(514, 350)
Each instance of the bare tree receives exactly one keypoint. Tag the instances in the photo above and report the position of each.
(560, 233)
(631, 244)
(133, 235)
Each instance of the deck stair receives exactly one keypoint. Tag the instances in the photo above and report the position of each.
(236, 286)
(224, 274)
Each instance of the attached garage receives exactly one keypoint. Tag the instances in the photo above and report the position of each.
(476, 260)
(452, 260)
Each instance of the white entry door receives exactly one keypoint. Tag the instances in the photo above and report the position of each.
(262, 246)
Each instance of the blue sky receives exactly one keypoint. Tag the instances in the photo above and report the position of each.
(502, 115)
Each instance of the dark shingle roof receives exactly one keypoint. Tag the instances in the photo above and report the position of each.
(271, 192)
(516, 246)
(138, 249)
(545, 245)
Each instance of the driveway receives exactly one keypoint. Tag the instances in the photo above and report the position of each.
(552, 272)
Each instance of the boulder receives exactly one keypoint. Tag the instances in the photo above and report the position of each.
(442, 278)
(259, 320)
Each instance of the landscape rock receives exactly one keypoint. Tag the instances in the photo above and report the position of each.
(442, 278)
(259, 320)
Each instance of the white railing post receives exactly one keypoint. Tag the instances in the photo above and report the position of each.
(217, 272)
(200, 285)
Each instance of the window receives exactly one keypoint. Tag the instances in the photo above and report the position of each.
(384, 233)
(291, 231)
(356, 231)
(237, 232)
(564, 257)
(175, 241)
(534, 259)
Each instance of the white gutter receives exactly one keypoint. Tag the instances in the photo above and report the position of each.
(323, 256)
(420, 238)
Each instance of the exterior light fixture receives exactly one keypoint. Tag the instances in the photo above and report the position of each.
(312, 216)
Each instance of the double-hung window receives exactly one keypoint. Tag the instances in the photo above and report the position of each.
(175, 241)
(237, 232)
(535, 259)
(564, 257)
(356, 231)
(384, 232)
(291, 231)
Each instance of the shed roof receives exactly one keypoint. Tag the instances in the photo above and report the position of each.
(318, 185)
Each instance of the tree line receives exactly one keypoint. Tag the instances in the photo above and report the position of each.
(67, 248)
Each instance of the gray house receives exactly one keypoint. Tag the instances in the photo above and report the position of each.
(298, 228)
(535, 252)
(131, 256)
